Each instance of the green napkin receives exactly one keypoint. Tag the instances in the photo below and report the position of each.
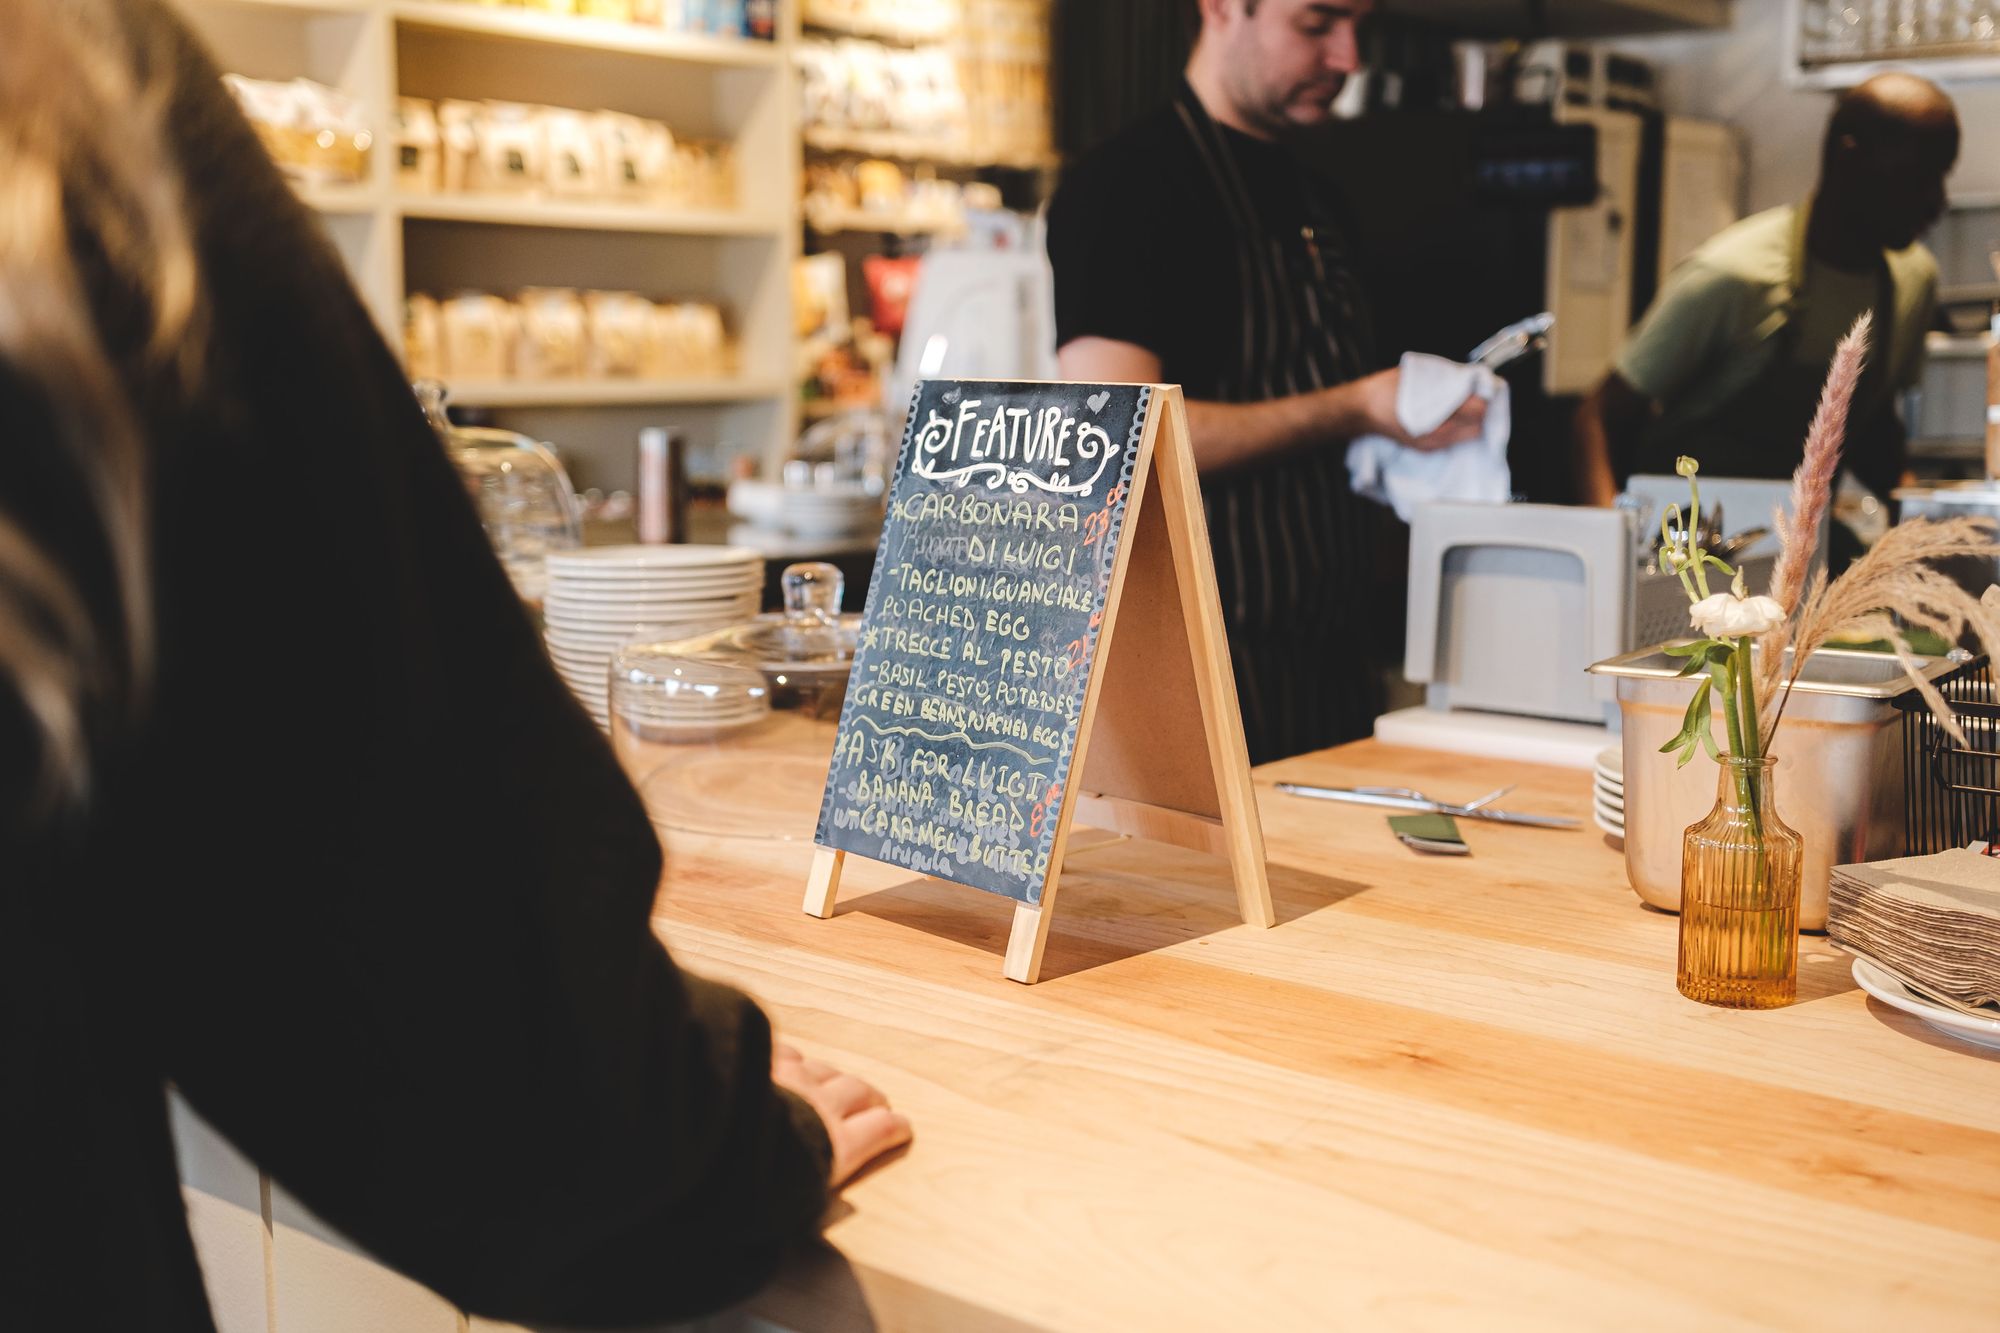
(1432, 828)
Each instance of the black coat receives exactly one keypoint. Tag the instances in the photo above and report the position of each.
(365, 883)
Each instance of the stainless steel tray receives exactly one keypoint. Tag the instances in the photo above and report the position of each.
(1839, 778)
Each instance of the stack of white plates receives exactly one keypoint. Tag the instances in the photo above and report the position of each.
(603, 596)
(829, 511)
(1607, 793)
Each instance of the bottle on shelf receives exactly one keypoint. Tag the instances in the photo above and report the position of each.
(663, 486)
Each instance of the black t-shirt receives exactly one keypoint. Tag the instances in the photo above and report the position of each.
(1222, 256)
(364, 882)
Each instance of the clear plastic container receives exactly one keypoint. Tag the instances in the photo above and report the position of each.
(729, 733)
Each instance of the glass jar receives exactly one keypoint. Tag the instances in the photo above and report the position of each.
(523, 495)
(1741, 872)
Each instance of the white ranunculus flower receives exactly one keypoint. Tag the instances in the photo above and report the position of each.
(1727, 616)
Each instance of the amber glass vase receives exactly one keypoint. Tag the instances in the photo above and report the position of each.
(1740, 875)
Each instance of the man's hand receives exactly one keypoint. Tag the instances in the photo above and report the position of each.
(857, 1117)
(1376, 396)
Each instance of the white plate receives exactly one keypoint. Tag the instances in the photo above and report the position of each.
(1608, 800)
(618, 580)
(653, 603)
(583, 650)
(601, 622)
(601, 561)
(597, 678)
(1615, 830)
(611, 635)
(1979, 1031)
(679, 608)
(1607, 815)
(617, 595)
(620, 585)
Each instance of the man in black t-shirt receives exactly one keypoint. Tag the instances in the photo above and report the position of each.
(1192, 249)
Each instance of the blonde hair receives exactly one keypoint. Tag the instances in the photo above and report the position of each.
(93, 232)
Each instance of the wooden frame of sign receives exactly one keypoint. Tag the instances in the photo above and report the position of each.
(1157, 738)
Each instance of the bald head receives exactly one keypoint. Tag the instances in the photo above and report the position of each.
(1894, 108)
(1890, 143)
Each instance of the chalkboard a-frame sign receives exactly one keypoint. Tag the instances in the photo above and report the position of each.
(1042, 640)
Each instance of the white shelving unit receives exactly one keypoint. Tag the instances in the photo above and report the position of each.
(396, 243)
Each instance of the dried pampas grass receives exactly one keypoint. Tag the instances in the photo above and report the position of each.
(1812, 494)
(1895, 581)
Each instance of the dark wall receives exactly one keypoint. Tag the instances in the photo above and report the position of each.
(1115, 60)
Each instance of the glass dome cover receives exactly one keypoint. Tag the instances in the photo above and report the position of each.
(729, 732)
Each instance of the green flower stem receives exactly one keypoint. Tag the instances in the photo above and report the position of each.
(1694, 533)
(1748, 740)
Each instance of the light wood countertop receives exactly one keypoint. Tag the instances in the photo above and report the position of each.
(1442, 1092)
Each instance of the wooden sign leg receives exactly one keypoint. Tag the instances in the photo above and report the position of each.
(823, 885)
(1215, 682)
(1028, 939)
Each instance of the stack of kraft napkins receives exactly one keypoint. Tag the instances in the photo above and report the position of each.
(1932, 921)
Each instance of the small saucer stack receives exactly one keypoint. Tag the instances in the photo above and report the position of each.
(1607, 792)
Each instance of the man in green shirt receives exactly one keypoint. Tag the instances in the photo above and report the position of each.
(1727, 365)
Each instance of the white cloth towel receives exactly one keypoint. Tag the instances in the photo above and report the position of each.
(1431, 389)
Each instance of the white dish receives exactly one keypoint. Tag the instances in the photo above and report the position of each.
(580, 594)
(1615, 830)
(1606, 815)
(1608, 801)
(1983, 1032)
(615, 580)
(656, 603)
(1611, 760)
(580, 648)
(677, 620)
(614, 561)
(572, 595)
(597, 676)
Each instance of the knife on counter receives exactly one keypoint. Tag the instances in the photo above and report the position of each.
(1396, 800)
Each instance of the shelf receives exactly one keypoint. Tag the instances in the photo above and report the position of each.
(611, 393)
(1941, 69)
(1949, 347)
(828, 221)
(337, 199)
(887, 33)
(1971, 291)
(912, 148)
(584, 215)
(594, 34)
(307, 8)
(823, 409)
(1575, 18)
(1946, 448)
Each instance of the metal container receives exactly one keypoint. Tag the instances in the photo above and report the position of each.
(1840, 767)
(1965, 499)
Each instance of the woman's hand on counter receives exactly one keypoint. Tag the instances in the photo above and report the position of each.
(858, 1119)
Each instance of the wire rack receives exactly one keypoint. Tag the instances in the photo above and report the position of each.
(1952, 790)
